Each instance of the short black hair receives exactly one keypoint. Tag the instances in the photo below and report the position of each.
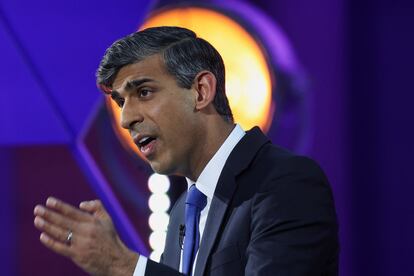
(184, 55)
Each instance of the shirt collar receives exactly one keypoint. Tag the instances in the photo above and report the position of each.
(207, 181)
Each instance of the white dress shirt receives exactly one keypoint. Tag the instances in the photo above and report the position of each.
(206, 183)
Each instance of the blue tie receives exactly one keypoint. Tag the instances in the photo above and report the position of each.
(194, 203)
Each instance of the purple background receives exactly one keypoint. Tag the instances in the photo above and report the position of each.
(359, 59)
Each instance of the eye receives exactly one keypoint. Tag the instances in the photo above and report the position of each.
(119, 101)
(143, 93)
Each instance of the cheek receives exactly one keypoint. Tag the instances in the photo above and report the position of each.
(178, 129)
(176, 117)
(176, 120)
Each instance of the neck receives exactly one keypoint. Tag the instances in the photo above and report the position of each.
(214, 135)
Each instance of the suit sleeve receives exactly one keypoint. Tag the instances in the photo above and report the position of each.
(154, 268)
(293, 227)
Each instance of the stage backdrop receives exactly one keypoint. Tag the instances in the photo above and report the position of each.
(358, 58)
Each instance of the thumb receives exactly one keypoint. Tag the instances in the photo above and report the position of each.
(93, 207)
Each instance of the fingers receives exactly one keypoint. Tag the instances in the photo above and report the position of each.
(55, 224)
(54, 218)
(58, 247)
(95, 247)
(96, 208)
(67, 210)
(91, 206)
(53, 231)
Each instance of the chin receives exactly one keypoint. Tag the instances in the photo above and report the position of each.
(160, 169)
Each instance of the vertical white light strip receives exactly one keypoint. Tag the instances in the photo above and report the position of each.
(158, 202)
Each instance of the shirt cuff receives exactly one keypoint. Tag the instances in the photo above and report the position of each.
(141, 266)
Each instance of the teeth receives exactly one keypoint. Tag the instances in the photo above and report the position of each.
(143, 140)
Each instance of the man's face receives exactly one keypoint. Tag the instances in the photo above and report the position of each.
(159, 114)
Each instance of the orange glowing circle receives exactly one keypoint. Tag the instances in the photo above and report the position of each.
(248, 78)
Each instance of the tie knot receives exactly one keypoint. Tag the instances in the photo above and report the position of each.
(196, 198)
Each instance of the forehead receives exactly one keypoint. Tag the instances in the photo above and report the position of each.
(151, 67)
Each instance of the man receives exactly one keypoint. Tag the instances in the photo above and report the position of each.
(251, 208)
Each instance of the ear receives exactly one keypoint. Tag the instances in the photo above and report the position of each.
(205, 86)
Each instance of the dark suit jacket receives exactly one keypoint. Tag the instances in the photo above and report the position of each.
(272, 214)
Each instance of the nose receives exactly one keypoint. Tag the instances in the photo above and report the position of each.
(130, 115)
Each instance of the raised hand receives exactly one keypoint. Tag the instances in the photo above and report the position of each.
(86, 235)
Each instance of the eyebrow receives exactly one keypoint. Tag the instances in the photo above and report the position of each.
(115, 95)
(135, 83)
(130, 85)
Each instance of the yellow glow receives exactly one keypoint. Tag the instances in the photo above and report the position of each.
(248, 78)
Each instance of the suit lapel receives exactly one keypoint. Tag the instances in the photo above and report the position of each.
(215, 217)
(172, 251)
(241, 156)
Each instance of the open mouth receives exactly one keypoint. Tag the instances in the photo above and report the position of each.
(144, 143)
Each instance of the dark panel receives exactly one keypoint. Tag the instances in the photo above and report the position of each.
(41, 172)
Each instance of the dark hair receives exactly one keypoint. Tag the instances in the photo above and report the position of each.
(184, 54)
